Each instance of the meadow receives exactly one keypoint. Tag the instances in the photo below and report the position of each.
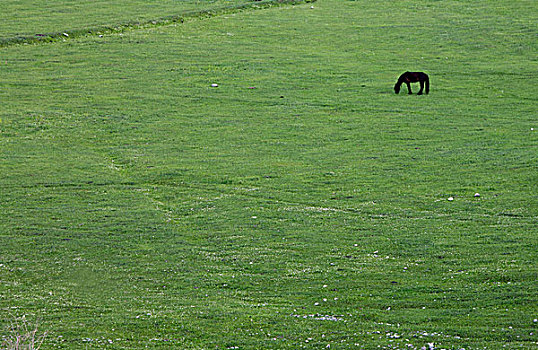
(299, 203)
(31, 18)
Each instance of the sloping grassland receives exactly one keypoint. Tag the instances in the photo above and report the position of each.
(299, 203)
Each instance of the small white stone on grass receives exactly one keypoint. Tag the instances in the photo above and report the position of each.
(451, 198)
(477, 194)
(214, 85)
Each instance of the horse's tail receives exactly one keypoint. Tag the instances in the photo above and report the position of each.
(427, 82)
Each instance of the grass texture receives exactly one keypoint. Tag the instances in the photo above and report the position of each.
(299, 203)
(31, 17)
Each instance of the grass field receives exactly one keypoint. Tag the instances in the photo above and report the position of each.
(31, 17)
(299, 204)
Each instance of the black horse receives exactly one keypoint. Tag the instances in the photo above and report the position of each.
(413, 77)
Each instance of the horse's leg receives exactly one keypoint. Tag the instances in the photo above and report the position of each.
(408, 88)
(421, 87)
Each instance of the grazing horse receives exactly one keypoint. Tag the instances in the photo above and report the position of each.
(413, 77)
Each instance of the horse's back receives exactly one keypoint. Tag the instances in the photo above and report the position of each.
(414, 77)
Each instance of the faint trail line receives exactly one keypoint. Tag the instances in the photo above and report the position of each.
(362, 209)
(156, 22)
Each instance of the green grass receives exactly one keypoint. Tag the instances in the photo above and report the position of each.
(301, 203)
(31, 17)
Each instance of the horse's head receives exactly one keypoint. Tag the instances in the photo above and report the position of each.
(397, 87)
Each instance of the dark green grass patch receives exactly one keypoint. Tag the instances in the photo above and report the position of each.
(300, 203)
